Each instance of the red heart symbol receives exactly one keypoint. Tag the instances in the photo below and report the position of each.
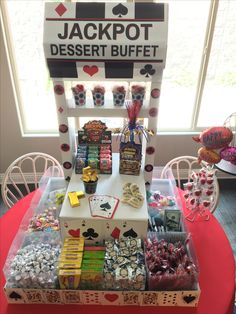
(111, 297)
(74, 233)
(90, 70)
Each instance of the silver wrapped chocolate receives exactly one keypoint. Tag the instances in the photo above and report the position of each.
(34, 267)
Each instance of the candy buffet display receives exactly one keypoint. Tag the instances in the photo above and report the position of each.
(94, 148)
(102, 260)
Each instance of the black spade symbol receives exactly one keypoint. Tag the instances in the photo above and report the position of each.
(120, 10)
(130, 233)
(15, 296)
(90, 234)
(68, 179)
(105, 206)
(147, 70)
(189, 298)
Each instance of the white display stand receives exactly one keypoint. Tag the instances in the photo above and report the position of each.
(126, 218)
(100, 42)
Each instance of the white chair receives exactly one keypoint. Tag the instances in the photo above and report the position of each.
(189, 164)
(17, 183)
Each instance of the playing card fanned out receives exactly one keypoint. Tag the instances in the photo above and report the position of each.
(103, 206)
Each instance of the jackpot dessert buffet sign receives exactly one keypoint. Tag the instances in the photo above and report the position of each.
(105, 40)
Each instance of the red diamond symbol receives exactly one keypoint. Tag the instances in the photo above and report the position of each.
(60, 9)
(60, 110)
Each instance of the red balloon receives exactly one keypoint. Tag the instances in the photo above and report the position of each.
(215, 137)
(208, 155)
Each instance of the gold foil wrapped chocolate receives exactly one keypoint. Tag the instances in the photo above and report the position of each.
(89, 175)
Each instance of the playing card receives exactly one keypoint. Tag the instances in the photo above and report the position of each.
(103, 206)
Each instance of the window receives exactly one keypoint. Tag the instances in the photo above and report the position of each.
(199, 82)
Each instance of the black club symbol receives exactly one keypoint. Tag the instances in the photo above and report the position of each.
(147, 70)
(90, 234)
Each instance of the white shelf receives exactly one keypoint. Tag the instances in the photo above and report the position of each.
(108, 110)
(107, 185)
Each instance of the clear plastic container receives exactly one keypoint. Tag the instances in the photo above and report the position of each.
(174, 278)
(24, 238)
(164, 203)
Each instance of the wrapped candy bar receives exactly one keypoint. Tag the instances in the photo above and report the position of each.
(169, 265)
(80, 163)
(124, 265)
